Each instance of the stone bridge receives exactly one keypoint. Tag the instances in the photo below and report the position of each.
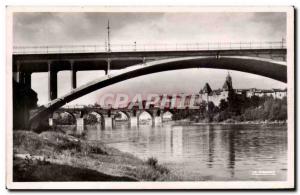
(107, 117)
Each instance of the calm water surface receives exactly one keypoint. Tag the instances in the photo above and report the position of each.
(206, 152)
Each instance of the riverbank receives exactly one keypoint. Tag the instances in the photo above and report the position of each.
(54, 156)
(228, 122)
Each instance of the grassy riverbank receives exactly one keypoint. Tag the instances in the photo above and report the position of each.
(54, 156)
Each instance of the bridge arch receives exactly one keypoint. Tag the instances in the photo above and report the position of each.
(122, 112)
(99, 116)
(163, 115)
(264, 67)
(151, 114)
(57, 116)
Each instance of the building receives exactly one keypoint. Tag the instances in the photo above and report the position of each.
(215, 96)
(207, 94)
(275, 93)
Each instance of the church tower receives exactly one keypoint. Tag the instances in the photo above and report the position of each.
(227, 87)
(228, 83)
(205, 92)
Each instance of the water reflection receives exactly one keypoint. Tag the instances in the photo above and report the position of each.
(211, 139)
(174, 140)
(215, 152)
(231, 161)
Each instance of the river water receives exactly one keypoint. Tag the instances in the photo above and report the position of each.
(206, 152)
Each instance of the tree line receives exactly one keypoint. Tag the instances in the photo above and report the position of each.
(237, 107)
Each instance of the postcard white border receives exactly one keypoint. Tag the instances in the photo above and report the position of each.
(153, 185)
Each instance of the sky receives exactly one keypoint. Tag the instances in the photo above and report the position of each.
(36, 29)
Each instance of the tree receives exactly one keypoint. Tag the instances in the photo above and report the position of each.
(202, 109)
(96, 104)
(211, 110)
(223, 105)
(270, 109)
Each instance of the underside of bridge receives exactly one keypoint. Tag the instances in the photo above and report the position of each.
(259, 66)
(263, 67)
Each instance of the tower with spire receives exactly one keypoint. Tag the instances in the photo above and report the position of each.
(206, 91)
(227, 86)
(207, 94)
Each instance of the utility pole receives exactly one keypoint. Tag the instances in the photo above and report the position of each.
(135, 46)
(105, 45)
(108, 50)
(108, 38)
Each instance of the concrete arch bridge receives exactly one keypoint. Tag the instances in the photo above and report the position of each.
(268, 61)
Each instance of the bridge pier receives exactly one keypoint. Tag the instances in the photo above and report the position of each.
(52, 80)
(50, 122)
(73, 75)
(153, 121)
(27, 80)
(108, 67)
(22, 106)
(23, 78)
(79, 126)
(108, 122)
(16, 76)
(16, 72)
(134, 121)
(157, 120)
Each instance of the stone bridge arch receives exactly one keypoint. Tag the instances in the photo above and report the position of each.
(149, 112)
(165, 112)
(122, 112)
(58, 122)
(100, 117)
(58, 113)
(127, 114)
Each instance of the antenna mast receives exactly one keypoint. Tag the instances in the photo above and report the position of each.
(108, 39)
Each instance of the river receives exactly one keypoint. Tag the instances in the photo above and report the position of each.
(252, 152)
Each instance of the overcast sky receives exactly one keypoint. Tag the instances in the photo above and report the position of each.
(90, 28)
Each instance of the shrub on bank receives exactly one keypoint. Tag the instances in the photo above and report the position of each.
(32, 143)
(156, 171)
(51, 142)
(152, 162)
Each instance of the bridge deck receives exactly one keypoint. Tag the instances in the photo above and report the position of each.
(120, 60)
(196, 46)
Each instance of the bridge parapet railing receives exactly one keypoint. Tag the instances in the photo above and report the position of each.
(201, 46)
